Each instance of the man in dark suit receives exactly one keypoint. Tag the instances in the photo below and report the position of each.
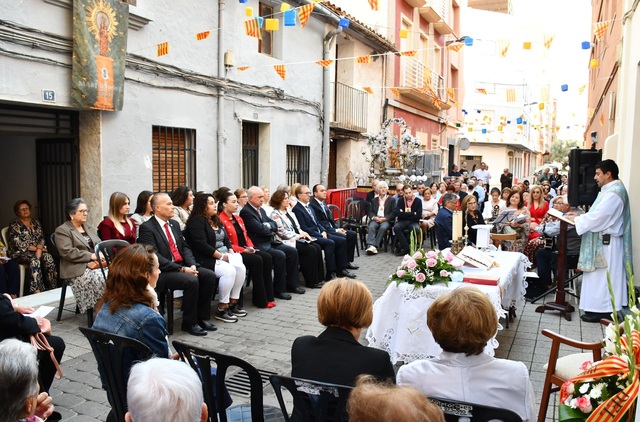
(408, 213)
(444, 220)
(179, 268)
(325, 219)
(261, 230)
(373, 192)
(335, 254)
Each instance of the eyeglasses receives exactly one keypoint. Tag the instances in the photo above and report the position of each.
(83, 211)
(24, 209)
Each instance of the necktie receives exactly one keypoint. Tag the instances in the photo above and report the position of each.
(172, 245)
(313, 217)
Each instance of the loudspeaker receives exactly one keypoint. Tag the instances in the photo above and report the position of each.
(583, 189)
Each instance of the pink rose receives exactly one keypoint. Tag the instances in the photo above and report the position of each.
(420, 278)
(586, 365)
(444, 273)
(431, 262)
(432, 254)
(400, 273)
(417, 255)
(450, 256)
(411, 264)
(459, 265)
(405, 258)
(584, 404)
(568, 388)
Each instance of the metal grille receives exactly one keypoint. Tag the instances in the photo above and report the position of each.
(174, 158)
(350, 108)
(250, 154)
(18, 120)
(298, 158)
(413, 74)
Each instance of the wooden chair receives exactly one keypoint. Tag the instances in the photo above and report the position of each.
(560, 369)
(201, 361)
(115, 355)
(23, 268)
(498, 238)
(455, 411)
(313, 400)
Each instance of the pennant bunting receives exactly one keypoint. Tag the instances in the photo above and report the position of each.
(503, 47)
(395, 91)
(544, 93)
(325, 63)
(252, 28)
(526, 45)
(163, 49)
(203, 35)
(305, 13)
(272, 25)
(599, 29)
(541, 106)
(455, 47)
(593, 63)
(404, 33)
(481, 91)
(581, 89)
(374, 5)
(242, 68)
(411, 53)
(451, 93)
(281, 70)
(548, 39)
(601, 119)
(511, 95)
(248, 11)
(363, 59)
(368, 89)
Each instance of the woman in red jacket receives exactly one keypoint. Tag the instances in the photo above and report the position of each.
(258, 263)
(118, 225)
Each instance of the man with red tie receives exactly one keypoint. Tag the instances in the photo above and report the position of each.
(179, 270)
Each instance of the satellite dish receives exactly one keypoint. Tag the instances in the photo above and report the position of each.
(464, 144)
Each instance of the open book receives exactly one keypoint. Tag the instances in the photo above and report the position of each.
(559, 215)
(474, 257)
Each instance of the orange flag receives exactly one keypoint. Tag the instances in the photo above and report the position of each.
(482, 91)
(203, 35)
(374, 5)
(369, 90)
(305, 13)
(163, 49)
(252, 28)
(242, 68)
(363, 59)
(455, 47)
(282, 70)
(599, 29)
(504, 47)
(395, 91)
(325, 63)
(548, 39)
(411, 53)
(601, 119)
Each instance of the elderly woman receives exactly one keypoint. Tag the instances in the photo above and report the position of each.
(462, 323)
(27, 247)
(243, 198)
(212, 249)
(118, 225)
(519, 222)
(345, 307)
(290, 233)
(75, 241)
(182, 199)
(143, 211)
(19, 398)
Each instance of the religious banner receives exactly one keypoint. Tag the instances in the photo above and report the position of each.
(99, 53)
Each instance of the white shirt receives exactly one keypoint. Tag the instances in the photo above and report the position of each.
(483, 175)
(480, 379)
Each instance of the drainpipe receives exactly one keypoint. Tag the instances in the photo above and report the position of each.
(221, 74)
(326, 83)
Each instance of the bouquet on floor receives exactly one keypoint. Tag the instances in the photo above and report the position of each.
(607, 390)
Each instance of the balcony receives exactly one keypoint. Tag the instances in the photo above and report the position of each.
(435, 10)
(413, 83)
(349, 108)
(500, 6)
(416, 3)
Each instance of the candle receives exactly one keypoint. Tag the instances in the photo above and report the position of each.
(457, 225)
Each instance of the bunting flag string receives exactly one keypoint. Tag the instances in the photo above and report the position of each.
(455, 47)
(411, 53)
(202, 35)
(252, 28)
(325, 63)
(305, 13)
(599, 29)
(163, 49)
(363, 59)
(281, 70)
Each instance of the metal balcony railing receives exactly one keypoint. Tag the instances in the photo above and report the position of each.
(413, 76)
(349, 108)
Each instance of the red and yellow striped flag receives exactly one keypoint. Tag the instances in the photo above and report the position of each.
(374, 4)
(281, 70)
(481, 91)
(203, 35)
(599, 29)
(363, 59)
(368, 89)
(503, 47)
(242, 68)
(252, 28)
(325, 63)
(163, 49)
(455, 47)
(395, 91)
(548, 39)
(511, 95)
(451, 93)
(601, 119)
(305, 13)
(411, 53)
(436, 102)
(544, 93)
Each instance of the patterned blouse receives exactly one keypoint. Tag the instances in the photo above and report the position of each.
(21, 238)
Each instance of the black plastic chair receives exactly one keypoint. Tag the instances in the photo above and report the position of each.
(313, 400)
(201, 360)
(115, 355)
(455, 411)
(355, 212)
(107, 249)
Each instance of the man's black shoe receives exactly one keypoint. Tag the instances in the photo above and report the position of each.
(595, 316)
(331, 276)
(206, 325)
(351, 266)
(297, 290)
(401, 252)
(318, 285)
(347, 273)
(284, 296)
(194, 330)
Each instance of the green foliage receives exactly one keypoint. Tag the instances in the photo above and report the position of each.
(560, 151)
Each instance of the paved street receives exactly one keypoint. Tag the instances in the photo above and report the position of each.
(265, 336)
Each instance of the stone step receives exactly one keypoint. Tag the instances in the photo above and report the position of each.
(49, 297)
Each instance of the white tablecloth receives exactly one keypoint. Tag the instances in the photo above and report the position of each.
(400, 314)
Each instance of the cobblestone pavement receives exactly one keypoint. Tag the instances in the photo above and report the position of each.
(265, 336)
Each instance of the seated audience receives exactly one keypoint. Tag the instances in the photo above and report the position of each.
(442, 189)
(373, 192)
(143, 210)
(538, 208)
(371, 400)
(293, 199)
(505, 194)
(345, 307)
(494, 206)
(161, 390)
(242, 197)
(9, 274)
(27, 246)
(179, 267)
(473, 217)
(19, 398)
(266, 206)
(290, 233)
(118, 225)
(212, 249)
(381, 214)
(75, 241)
(444, 220)
(462, 323)
(258, 263)
(182, 199)
(429, 210)
(408, 213)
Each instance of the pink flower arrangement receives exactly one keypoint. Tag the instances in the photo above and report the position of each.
(424, 268)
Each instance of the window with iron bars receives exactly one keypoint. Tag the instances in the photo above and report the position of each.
(298, 158)
(174, 158)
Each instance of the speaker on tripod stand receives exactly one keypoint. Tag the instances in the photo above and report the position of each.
(583, 189)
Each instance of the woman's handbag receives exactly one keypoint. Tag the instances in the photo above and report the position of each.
(94, 265)
(40, 342)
